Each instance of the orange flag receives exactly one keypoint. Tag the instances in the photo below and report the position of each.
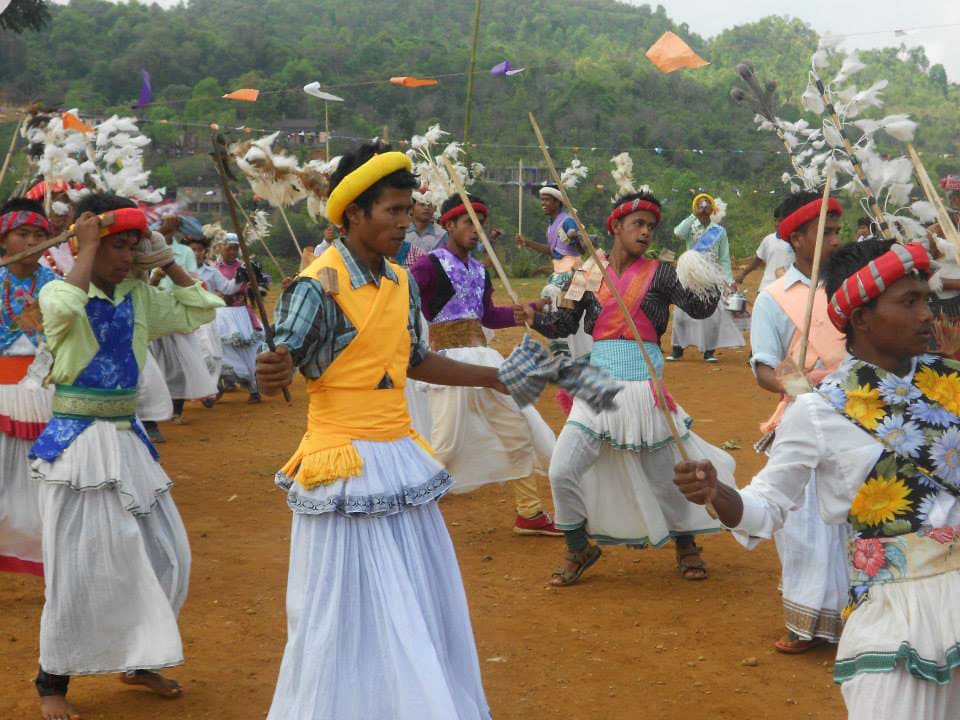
(244, 94)
(72, 122)
(413, 82)
(670, 53)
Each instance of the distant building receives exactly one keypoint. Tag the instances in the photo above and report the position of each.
(202, 199)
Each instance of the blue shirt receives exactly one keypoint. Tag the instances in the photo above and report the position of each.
(15, 293)
(771, 331)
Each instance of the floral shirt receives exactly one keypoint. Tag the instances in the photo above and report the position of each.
(15, 293)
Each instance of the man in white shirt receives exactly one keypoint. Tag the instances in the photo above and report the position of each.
(774, 254)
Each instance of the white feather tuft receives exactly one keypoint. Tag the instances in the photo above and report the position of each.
(700, 275)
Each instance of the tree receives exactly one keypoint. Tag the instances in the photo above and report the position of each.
(938, 76)
(23, 15)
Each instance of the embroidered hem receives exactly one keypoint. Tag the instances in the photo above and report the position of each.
(621, 445)
(811, 622)
(877, 662)
(635, 543)
(373, 504)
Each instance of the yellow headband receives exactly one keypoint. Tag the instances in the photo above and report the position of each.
(361, 180)
(698, 198)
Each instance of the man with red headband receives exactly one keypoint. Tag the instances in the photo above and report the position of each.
(611, 469)
(882, 435)
(812, 553)
(479, 435)
(115, 553)
(24, 403)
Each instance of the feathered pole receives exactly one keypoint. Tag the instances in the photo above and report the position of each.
(658, 387)
(219, 160)
(9, 155)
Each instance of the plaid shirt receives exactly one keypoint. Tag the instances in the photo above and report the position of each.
(315, 330)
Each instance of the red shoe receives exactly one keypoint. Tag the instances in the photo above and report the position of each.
(539, 524)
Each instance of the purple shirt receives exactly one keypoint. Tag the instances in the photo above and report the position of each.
(437, 291)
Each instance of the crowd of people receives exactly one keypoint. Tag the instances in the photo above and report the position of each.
(389, 322)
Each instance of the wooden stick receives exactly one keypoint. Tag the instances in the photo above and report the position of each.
(251, 273)
(657, 383)
(13, 143)
(520, 197)
(487, 245)
(105, 221)
(947, 227)
(290, 229)
(814, 274)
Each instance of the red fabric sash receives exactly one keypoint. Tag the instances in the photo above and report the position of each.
(633, 287)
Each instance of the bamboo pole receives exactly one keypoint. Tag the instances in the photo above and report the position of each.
(290, 230)
(657, 383)
(947, 227)
(9, 155)
(468, 112)
(814, 274)
(520, 197)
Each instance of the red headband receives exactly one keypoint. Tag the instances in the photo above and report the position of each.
(18, 218)
(950, 183)
(125, 219)
(38, 191)
(458, 210)
(802, 215)
(870, 281)
(629, 208)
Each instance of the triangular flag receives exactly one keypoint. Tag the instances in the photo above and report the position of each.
(670, 53)
(146, 92)
(413, 82)
(505, 69)
(314, 89)
(244, 94)
(72, 122)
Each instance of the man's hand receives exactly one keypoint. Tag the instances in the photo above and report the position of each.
(274, 370)
(152, 252)
(521, 316)
(697, 481)
(521, 241)
(87, 229)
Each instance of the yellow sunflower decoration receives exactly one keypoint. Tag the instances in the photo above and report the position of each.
(943, 389)
(880, 500)
(865, 406)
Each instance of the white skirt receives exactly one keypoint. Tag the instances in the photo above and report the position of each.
(25, 408)
(235, 328)
(20, 528)
(211, 349)
(116, 557)
(898, 694)
(377, 619)
(815, 582)
(181, 360)
(482, 436)
(612, 472)
(154, 403)
(717, 331)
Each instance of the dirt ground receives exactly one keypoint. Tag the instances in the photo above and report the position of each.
(632, 640)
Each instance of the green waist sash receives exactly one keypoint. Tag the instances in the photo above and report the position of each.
(79, 402)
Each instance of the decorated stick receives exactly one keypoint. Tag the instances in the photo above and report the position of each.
(290, 229)
(246, 219)
(815, 272)
(875, 209)
(13, 143)
(487, 245)
(106, 221)
(947, 227)
(218, 161)
(520, 197)
(658, 387)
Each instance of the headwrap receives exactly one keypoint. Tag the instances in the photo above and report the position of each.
(38, 190)
(124, 219)
(627, 208)
(951, 183)
(551, 192)
(461, 209)
(420, 195)
(698, 198)
(231, 239)
(870, 281)
(804, 214)
(191, 228)
(361, 180)
(18, 218)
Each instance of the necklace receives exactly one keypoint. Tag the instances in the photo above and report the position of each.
(8, 302)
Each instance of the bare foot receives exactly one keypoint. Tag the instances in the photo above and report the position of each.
(155, 682)
(56, 707)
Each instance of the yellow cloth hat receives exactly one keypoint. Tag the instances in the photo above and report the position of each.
(361, 179)
(698, 198)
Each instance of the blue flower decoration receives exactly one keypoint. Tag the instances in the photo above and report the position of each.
(946, 456)
(932, 414)
(834, 395)
(905, 437)
(897, 391)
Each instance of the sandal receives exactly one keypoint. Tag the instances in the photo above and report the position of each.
(690, 563)
(793, 644)
(561, 577)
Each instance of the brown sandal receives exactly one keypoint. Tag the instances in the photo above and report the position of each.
(690, 563)
(561, 577)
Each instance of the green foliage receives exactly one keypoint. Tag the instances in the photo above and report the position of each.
(23, 15)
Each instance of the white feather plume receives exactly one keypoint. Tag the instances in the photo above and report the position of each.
(700, 274)
(272, 175)
(573, 174)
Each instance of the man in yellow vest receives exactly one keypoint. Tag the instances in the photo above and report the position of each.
(812, 553)
(378, 625)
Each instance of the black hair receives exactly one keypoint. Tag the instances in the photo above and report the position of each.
(454, 200)
(645, 195)
(201, 240)
(864, 222)
(792, 203)
(846, 261)
(350, 161)
(99, 203)
(22, 204)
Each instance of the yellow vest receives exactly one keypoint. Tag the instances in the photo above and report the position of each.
(345, 404)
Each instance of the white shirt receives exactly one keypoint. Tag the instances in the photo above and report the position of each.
(776, 255)
(814, 436)
(215, 280)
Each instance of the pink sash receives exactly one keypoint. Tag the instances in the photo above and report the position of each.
(633, 287)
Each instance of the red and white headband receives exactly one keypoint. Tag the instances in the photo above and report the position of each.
(804, 214)
(18, 218)
(628, 208)
(457, 210)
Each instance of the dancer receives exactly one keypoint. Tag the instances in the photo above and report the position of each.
(115, 553)
(812, 553)
(24, 403)
(361, 486)
(880, 435)
(774, 254)
(701, 231)
(611, 471)
(237, 324)
(563, 249)
(479, 435)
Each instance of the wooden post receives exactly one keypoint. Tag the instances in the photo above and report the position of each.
(473, 66)
(814, 273)
(520, 197)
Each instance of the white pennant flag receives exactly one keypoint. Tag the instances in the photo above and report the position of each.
(313, 89)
